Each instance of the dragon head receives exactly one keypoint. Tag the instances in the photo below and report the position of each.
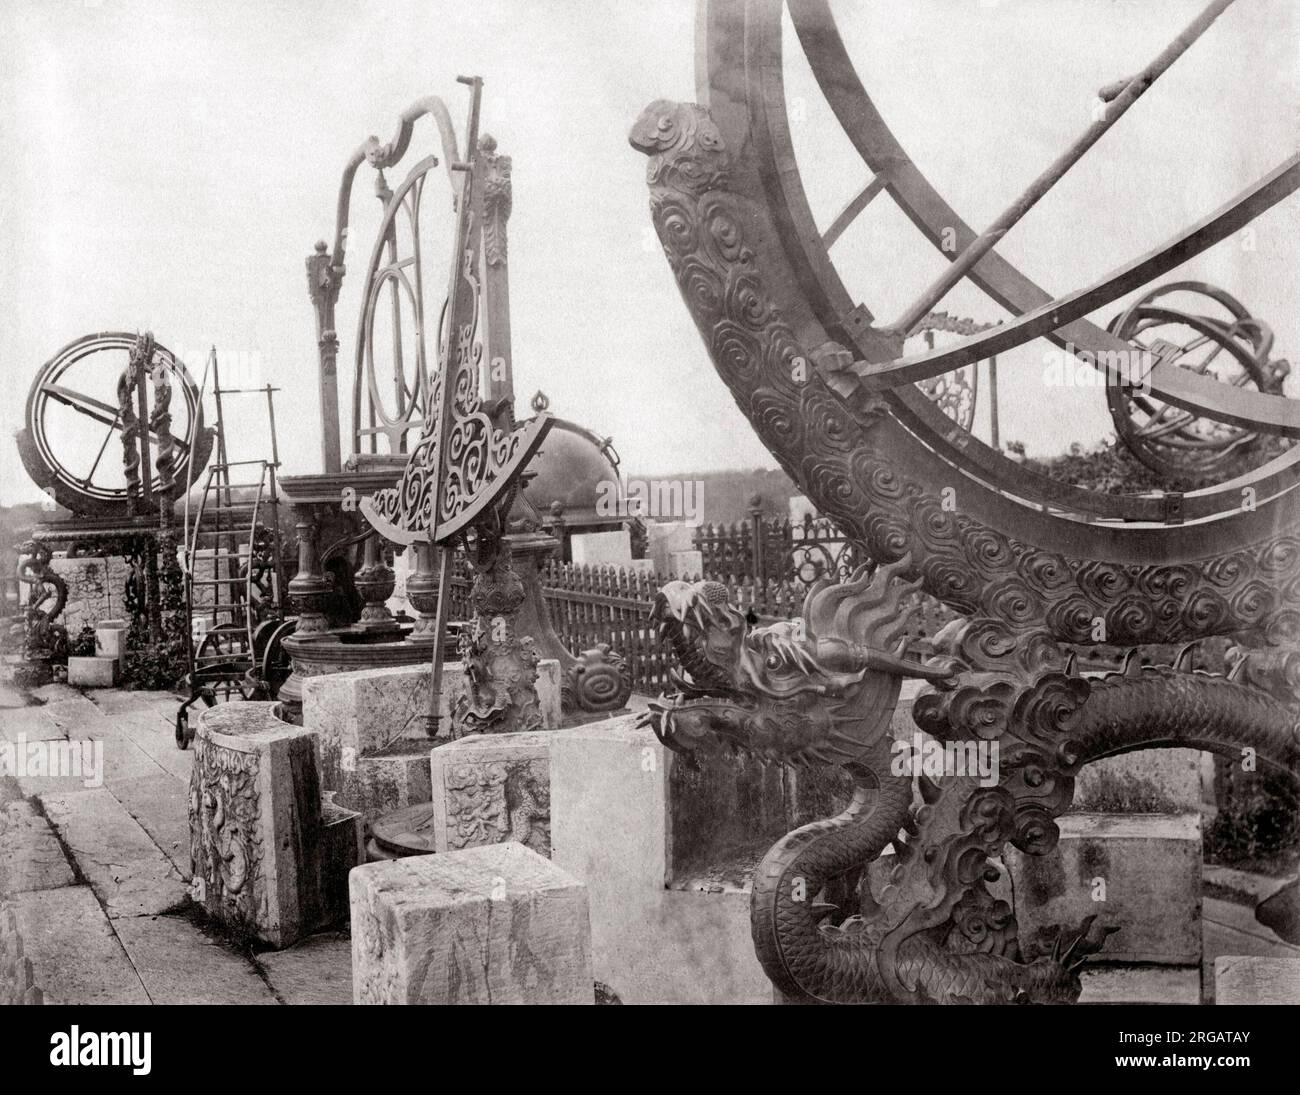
(821, 688)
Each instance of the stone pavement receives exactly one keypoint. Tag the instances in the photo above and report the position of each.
(94, 879)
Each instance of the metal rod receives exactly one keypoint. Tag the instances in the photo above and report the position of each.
(1116, 107)
(465, 226)
(993, 402)
(433, 716)
(270, 412)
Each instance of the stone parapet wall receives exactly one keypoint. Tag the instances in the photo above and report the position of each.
(96, 589)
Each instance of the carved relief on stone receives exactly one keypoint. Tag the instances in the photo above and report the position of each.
(225, 834)
(488, 803)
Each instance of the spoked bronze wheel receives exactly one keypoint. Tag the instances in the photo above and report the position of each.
(75, 433)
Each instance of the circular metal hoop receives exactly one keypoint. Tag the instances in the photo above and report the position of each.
(1173, 441)
(742, 81)
(399, 272)
(84, 494)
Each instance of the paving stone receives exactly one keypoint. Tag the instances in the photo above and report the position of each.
(10, 696)
(1250, 887)
(75, 956)
(28, 724)
(1239, 979)
(116, 700)
(178, 964)
(155, 735)
(126, 869)
(76, 713)
(316, 970)
(31, 857)
(55, 691)
(1240, 918)
(61, 765)
(160, 803)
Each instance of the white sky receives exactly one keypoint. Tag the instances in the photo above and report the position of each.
(169, 166)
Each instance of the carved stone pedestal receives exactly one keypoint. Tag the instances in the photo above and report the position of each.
(372, 751)
(492, 925)
(269, 857)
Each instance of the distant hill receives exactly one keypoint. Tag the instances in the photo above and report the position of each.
(726, 494)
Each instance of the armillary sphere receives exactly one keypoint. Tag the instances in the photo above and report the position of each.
(1233, 347)
(76, 436)
(742, 84)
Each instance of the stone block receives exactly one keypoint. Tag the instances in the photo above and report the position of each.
(1241, 979)
(392, 780)
(110, 639)
(686, 564)
(663, 538)
(496, 924)
(610, 828)
(96, 589)
(268, 857)
(1125, 984)
(490, 788)
(372, 749)
(1153, 781)
(602, 548)
(1141, 871)
(799, 507)
(93, 672)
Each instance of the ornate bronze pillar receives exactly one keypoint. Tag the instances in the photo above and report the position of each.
(422, 595)
(310, 588)
(375, 581)
(323, 281)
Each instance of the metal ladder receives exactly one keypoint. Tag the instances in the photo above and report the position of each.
(233, 549)
(235, 592)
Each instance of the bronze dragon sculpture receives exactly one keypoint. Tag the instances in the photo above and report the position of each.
(824, 692)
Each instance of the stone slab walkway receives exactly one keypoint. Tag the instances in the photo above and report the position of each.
(94, 895)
